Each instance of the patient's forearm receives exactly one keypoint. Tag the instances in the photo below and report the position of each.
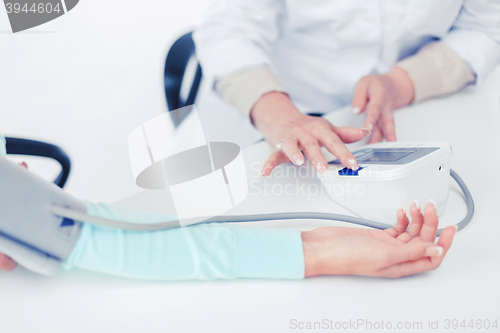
(202, 252)
(219, 251)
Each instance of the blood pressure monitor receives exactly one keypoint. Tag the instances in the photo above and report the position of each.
(40, 223)
(392, 175)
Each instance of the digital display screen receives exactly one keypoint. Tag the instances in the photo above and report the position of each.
(384, 156)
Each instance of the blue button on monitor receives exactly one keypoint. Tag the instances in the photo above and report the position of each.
(349, 172)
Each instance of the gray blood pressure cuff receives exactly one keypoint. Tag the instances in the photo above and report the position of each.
(29, 232)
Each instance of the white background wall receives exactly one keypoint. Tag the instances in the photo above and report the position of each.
(85, 80)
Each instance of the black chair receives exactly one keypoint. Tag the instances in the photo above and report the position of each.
(17, 146)
(177, 61)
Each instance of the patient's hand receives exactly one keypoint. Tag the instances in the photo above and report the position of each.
(391, 253)
(6, 263)
(279, 120)
(379, 96)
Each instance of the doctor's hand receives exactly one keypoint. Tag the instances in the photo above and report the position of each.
(390, 253)
(280, 121)
(378, 96)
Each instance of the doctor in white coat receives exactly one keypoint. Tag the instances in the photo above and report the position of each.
(277, 60)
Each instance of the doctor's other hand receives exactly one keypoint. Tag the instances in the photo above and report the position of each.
(280, 121)
(394, 252)
(378, 96)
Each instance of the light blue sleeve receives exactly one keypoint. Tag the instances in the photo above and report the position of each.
(199, 252)
(3, 150)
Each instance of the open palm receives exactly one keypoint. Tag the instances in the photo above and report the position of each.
(405, 249)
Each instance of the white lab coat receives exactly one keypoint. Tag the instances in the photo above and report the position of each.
(320, 48)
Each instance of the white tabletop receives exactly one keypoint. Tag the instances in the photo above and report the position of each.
(464, 287)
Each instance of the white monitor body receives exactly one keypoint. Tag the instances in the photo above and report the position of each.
(392, 176)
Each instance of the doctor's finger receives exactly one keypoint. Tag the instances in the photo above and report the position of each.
(314, 154)
(386, 124)
(273, 161)
(290, 146)
(6, 263)
(374, 109)
(335, 146)
(360, 96)
(349, 134)
(376, 136)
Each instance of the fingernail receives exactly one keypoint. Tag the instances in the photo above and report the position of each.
(367, 131)
(298, 159)
(370, 127)
(456, 227)
(417, 204)
(403, 211)
(433, 202)
(320, 167)
(353, 164)
(266, 171)
(24, 164)
(434, 251)
(355, 110)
